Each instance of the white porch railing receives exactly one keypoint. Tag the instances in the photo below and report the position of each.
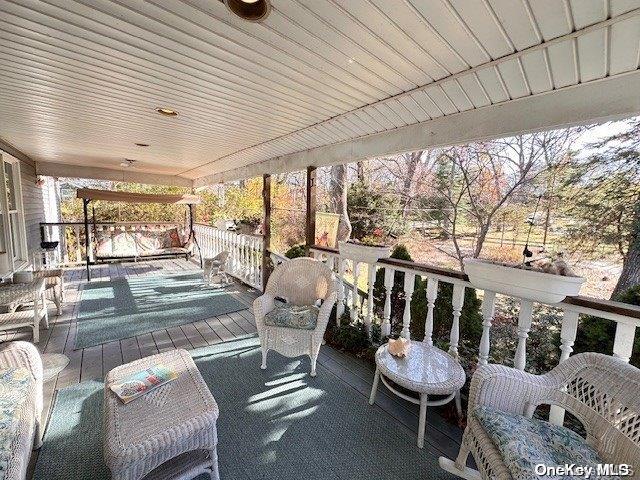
(245, 252)
(626, 317)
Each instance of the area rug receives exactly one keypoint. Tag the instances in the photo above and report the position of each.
(277, 424)
(126, 307)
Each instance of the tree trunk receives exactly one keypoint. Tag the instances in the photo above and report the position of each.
(360, 171)
(339, 199)
(407, 182)
(446, 220)
(630, 276)
(481, 237)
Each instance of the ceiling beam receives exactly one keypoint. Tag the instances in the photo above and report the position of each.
(14, 152)
(597, 101)
(98, 173)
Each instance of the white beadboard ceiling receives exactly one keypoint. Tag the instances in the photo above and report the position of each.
(80, 79)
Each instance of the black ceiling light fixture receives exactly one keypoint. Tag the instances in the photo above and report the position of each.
(251, 10)
(142, 144)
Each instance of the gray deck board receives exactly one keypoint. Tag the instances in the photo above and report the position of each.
(94, 362)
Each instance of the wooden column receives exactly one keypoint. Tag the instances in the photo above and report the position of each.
(266, 239)
(87, 236)
(311, 208)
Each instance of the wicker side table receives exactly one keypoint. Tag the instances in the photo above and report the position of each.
(170, 432)
(426, 370)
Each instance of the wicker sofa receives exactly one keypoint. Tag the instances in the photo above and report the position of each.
(20, 406)
(113, 243)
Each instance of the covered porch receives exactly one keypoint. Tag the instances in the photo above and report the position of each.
(191, 94)
(92, 363)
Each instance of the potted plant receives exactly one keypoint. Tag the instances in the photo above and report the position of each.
(546, 280)
(368, 250)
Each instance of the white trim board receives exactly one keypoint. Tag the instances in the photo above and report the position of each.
(607, 99)
(97, 173)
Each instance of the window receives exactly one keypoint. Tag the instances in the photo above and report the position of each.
(13, 245)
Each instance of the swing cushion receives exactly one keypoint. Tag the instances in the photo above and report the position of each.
(141, 243)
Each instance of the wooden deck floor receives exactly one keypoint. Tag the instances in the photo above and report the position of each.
(90, 363)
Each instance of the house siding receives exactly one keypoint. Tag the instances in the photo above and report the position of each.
(40, 204)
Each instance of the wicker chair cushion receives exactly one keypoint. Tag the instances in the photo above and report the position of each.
(526, 442)
(293, 316)
(15, 384)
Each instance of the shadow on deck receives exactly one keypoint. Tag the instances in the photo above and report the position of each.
(441, 438)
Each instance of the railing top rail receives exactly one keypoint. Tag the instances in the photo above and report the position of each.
(425, 268)
(61, 224)
(408, 265)
(606, 308)
(255, 235)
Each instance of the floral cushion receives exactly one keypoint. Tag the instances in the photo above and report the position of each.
(527, 442)
(293, 316)
(124, 244)
(15, 384)
(104, 245)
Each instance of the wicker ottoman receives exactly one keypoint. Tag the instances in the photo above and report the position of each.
(169, 433)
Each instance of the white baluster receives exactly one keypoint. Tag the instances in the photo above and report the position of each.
(568, 333)
(488, 308)
(65, 253)
(90, 237)
(243, 259)
(389, 274)
(371, 270)
(254, 260)
(623, 341)
(331, 262)
(340, 285)
(457, 302)
(354, 298)
(567, 339)
(236, 248)
(409, 285)
(432, 293)
(524, 325)
(76, 231)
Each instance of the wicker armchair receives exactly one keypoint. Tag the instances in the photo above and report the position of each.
(24, 354)
(302, 281)
(600, 390)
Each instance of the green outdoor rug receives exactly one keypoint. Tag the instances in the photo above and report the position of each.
(126, 307)
(274, 424)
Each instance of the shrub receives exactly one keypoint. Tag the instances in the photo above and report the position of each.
(470, 318)
(597, 334)
(296, 251)
(352, 337)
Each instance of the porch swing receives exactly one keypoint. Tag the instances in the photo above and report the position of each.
(144, 243)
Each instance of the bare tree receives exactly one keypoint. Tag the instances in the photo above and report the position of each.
(487, 176)
(407, 170)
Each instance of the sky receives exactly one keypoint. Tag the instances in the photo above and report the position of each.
(598, 133)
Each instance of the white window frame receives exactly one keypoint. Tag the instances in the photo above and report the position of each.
(11, 263)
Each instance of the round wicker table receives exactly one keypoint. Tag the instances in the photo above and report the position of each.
(426, 370)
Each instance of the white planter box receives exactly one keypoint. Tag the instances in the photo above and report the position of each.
(516, 282)
(363, 253)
